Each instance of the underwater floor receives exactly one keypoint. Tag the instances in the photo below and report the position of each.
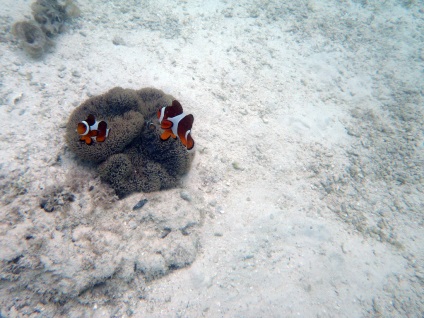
(305, 192)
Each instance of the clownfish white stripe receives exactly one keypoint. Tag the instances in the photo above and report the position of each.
(162, 114)
(95, 126)
(175, 121)
(87, 128)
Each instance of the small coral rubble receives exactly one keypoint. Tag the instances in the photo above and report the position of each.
(32, 37)
(50, 17)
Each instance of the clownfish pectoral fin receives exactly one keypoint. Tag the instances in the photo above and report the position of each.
(166, 134)
(166, 124)
(92, 133)
(87, 139)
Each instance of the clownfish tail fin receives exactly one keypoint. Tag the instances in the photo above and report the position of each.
(190, 141)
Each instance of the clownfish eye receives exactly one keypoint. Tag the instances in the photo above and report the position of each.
(150, 126)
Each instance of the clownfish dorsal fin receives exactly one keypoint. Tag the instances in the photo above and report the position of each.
(174, 110)
(90, 120)
(169, 111)
(177, 106)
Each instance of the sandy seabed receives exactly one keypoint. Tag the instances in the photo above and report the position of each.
(305, 197)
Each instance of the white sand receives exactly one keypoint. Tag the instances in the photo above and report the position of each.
(306, 192)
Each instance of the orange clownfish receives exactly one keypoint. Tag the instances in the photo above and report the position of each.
(176, 123)
(91, 130)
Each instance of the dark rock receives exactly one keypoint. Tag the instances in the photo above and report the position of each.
(140, 204)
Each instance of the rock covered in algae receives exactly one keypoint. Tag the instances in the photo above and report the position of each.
(31, 37)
